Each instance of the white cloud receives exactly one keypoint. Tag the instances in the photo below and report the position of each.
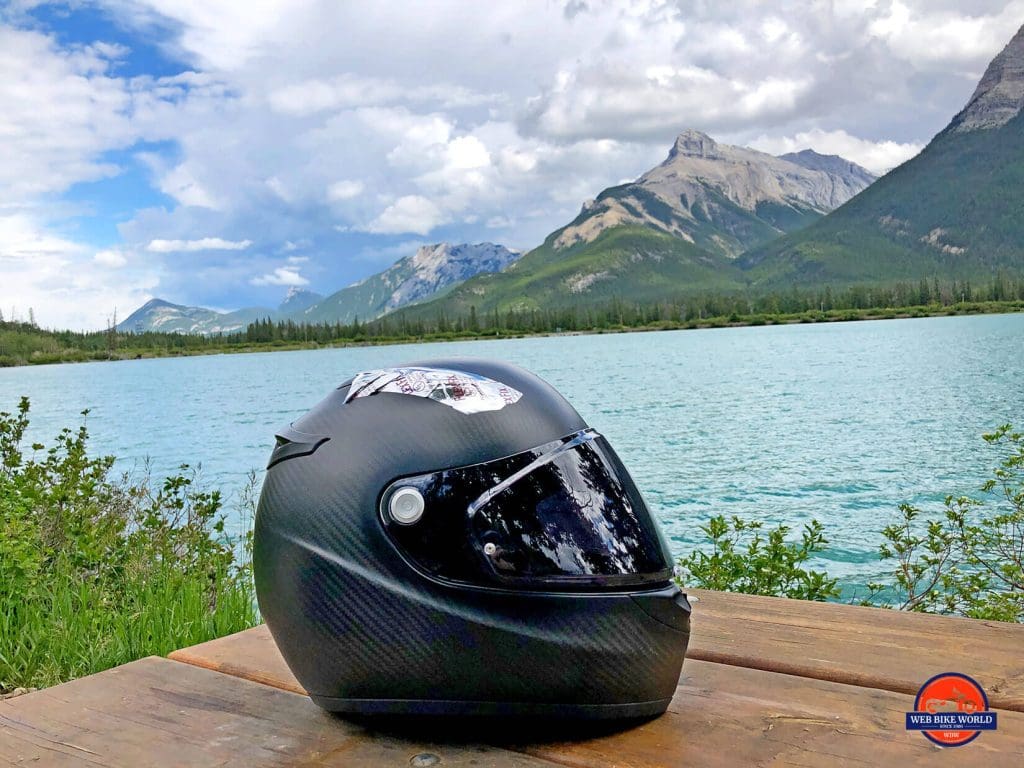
(344, 189)
(223, 34)
(411, 213)
(61, 111)
(348, 90)
(622, 101)
(181, 183)
(110, 257)
(931, 37)
(467, 152)
(57, 278)
(499, 222)
(281, 276)
(877, 156)
(278, 187)
(202, 244)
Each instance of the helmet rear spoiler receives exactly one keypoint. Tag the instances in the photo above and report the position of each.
(292, 443)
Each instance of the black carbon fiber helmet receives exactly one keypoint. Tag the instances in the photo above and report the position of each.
(451, 537)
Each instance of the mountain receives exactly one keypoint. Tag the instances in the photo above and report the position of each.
(955, 211)
(297, 300)
(426, 274)
(1000, 93)
(721, 198)
(851, 174)
(677, 228)
(629, 261)
(163, 316)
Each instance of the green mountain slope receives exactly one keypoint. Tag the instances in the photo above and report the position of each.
(628, 262)
(954, 211)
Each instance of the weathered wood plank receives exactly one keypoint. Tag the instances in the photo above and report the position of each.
(735, 716)
(869, 647)
(162, 713)
(721, 715)
(252, 655)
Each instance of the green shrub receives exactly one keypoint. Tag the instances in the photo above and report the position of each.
(743, 559)
(968, 560)
(97, 569)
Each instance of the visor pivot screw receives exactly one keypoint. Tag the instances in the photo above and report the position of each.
(406, 505)
(490, 549)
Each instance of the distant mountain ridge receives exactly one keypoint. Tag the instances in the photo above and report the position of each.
(426, 274)
(297, 300)
(845, 170)
(166, 317)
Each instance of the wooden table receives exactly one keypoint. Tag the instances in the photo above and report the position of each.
(767, 682)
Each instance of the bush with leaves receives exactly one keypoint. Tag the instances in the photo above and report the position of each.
(744, 559)
(969, 560)
(98, 569)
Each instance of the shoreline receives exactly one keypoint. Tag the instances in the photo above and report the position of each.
(741, 321)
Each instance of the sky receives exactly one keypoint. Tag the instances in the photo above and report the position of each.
(220, 152)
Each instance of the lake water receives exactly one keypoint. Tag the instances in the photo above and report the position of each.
(839, 422)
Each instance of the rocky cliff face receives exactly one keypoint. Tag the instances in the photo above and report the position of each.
(720, 197)
(429, 272)
(435, 267)
(843, 170)
(298, 299)
(999, 96)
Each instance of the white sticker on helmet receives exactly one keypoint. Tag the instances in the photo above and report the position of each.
(463, 391)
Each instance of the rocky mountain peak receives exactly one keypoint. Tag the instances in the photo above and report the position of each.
(298, 299)
(999, 96)
(692, 143)
(833, 164)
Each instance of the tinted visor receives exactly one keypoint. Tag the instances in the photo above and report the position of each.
(565, 515)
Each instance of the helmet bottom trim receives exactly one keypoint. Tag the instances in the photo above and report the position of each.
(638, 709)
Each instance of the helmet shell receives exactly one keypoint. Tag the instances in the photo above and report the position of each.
(363, 630)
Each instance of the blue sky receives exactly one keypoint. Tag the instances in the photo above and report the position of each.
(220, 152)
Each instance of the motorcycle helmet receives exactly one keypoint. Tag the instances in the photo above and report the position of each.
(451, 537)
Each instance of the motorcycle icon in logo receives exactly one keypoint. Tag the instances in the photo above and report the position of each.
(957, 702)
(951, 709)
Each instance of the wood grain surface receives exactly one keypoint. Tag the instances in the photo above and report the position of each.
(869, 647)
(163, 714)
(722, 715)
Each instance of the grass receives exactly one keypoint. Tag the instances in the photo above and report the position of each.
(74, 627)
(97, 570)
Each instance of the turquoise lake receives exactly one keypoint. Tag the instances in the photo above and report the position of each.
(839, 422)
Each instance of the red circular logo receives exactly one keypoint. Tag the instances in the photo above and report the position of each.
(953, 694)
